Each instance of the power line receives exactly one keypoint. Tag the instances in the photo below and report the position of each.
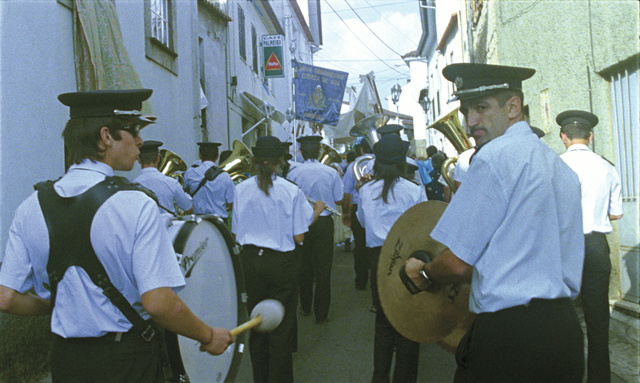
(356, 36)
(371, 30)
(392, 26)
(393, 3)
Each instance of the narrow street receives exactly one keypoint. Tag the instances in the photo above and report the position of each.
(342, 350)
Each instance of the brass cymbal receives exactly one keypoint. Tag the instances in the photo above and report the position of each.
(441, 316)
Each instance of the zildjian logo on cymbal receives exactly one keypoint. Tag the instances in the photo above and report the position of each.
(395, 256)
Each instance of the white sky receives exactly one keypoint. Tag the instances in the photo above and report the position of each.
(354, 48)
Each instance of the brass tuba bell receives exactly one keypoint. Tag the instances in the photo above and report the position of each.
(451, 127)
(239, 162)
(368, 126)
(328, 155)
(171, 165)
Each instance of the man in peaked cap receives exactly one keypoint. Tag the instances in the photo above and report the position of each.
(92, 247)
(210, 196)
(601, 204)
(319, 182)
(412, 165)
(514, 230)
(167, 189)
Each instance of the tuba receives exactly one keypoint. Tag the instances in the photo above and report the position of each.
(451, 127)
(171, 165)
(239, 162)
(360, 166)
(328, 155)
(368, 126)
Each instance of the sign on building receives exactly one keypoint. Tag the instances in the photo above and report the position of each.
(318, 93)
(272, 55)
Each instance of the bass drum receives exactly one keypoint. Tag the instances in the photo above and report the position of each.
(215, 293)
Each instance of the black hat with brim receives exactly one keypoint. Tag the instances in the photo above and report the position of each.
(108, 103)
(577, 116)
(538, 132)
(208, 144)
(475, 80)
(268, 146)
(309, 139)
(389, 128)
(150, 146)
(285, 146)
(390, 149)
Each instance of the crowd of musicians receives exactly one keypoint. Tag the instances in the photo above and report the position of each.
(526, 228)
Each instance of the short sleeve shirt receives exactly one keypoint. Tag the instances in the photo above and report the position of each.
(213, 197)
(517, 220)
(319, 182)
(167, 189)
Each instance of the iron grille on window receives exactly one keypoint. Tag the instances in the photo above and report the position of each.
(242, 44)
(160, 26)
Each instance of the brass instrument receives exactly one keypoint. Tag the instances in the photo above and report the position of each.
(171, 165)
(367, 128)
(360, 165)
(328, 155)
(239, 162)
(451, 127)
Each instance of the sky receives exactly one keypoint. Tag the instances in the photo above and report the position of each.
(360, 36)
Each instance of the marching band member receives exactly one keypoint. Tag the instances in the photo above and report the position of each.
(100, 261)
(270, 216)
(211, 196)
(321, 183)
(515, 229)
(382, 201)
(167, 189)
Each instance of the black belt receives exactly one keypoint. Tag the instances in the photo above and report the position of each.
(110, 337)
(534, 303)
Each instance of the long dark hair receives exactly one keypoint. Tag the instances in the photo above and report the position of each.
(265, 168)
(389, 174)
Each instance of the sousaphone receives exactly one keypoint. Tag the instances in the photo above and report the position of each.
(442, 316)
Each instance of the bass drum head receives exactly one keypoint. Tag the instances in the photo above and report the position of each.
(214, 290)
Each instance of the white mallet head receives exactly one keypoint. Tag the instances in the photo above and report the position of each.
(271, 311)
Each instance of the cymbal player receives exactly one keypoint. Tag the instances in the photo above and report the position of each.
(514, 228)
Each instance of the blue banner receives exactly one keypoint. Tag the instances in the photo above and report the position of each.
(319, 93)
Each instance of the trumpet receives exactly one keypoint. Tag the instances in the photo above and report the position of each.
(327, 208)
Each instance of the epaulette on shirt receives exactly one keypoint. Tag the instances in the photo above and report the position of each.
(286, 179)
(605, 158)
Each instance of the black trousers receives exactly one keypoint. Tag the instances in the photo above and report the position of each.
(388, 341)
(272, 274)
(361, 258)
(595, 303)
(316, 260)
(107, 360)
(538, 342)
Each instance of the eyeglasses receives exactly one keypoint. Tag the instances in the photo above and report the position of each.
(133, 129)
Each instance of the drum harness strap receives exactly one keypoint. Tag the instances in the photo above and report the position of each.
(211, 174)
(69, 223)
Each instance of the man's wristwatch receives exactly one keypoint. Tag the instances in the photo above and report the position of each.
(424, 274)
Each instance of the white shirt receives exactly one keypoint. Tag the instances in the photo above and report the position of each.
(129, 238)
(517, 220)
(213, 196)
(376, 216)
(600, 185)
(270, 221)
(319, 182)
(462, 165)
(167, 189)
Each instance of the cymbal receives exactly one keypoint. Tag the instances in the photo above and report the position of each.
(441, 316)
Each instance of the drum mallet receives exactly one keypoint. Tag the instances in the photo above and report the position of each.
(265, 317)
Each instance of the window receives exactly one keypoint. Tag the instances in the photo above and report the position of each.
(254, 48)
(624, 96)
(159, 21)
(242, 44)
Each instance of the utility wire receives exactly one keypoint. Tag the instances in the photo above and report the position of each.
(356, 36)
(392, 26)
(371, 30)
(393, 3)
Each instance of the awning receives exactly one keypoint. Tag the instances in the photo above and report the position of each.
(257, 103)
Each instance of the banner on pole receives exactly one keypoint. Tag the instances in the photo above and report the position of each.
(272, 55)
(319, 92)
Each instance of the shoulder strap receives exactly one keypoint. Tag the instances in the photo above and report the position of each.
(69, 223)
(211, 174)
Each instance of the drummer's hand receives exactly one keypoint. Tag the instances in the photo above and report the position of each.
(413, 267)
(220, 340)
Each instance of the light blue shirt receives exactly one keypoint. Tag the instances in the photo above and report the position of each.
(270, 221)
(167, 189)
(378, 217)
(319, 182)
(128, 237)
(517, 220)
(424, 168)
(349, 181)
(213, 197)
